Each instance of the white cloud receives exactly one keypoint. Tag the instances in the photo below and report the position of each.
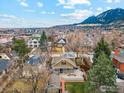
(69, 4)
(12, 21)
(99, 10)
(61, 1)
(109, 1)
(113, 1)
(43, 12)
(78, 14)
(5, 19)
(74, 2)
(68, 7)
(79, 2)
(23, 3)
(22, 0)
(108, 8)
(9, 20)
(117, 1)
(39, 4)
(48, 13)
(8, 16)
(21, 23)
(52, 13)
(29, 10)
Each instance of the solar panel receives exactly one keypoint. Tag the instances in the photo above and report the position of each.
(69, 55)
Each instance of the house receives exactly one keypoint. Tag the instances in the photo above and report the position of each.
(76, 76)
(61, 41)
(63, 65)
(34, 65)
(35, 60)
(118, 60)
(59, 46)
(4, 56)
(67, 71)
(4, 66)
(33, 43)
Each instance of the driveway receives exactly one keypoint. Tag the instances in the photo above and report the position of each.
(120, 85)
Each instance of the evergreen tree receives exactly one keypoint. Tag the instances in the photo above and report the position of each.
(20, 47)
(102, 46)
(102, 74)
(13, 40)
(43, 40)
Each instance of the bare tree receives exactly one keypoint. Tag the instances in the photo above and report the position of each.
(39, 78)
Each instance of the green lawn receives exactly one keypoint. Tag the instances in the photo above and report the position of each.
(77, 87)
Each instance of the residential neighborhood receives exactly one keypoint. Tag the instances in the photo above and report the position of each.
(53, 67)
(61, 46)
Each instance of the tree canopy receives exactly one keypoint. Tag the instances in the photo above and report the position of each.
(102, 46)
(20, 47)
(103, 72)
(43, 40)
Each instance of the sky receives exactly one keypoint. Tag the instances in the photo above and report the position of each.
(46, 13)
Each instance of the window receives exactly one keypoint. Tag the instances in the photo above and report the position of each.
(35, 42)
(63, 62)
(35, 46)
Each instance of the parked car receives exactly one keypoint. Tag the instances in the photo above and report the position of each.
(120, 75)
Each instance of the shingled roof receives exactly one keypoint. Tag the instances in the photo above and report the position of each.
(119, 58)
(34, 60)
(4, 64)
(56, 60)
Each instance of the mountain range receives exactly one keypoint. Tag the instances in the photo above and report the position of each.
(107, 17)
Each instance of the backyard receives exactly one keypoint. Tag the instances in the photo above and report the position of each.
(76, 87)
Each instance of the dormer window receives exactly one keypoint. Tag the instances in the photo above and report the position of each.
(63, 62)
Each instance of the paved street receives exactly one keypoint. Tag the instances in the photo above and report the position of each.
(120, 84)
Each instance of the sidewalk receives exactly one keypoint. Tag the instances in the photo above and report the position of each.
(120, 85)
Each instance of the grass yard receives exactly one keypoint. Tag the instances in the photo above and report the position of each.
(21, 86)
(77, 87)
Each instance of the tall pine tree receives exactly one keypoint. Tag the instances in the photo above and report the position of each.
(43, 41)
(102, 46)
(102, 74)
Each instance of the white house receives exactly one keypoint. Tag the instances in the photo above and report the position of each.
(4, 56)
(33, 43)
